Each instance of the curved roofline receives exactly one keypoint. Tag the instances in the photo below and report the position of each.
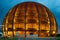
(30, 2)
(19, 4)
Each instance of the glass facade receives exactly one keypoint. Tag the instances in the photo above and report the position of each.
(29, 19)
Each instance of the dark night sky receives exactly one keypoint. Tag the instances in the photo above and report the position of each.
(53, 5)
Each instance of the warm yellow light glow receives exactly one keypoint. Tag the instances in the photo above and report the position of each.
(4, 34)
(42, 27)
(16, 14)
(48, 34)
(10, 33)
(3, 28)
(53, 32)
(14, 20)
(47, 31)
(48, 22)
(14, 28)
(6, 28)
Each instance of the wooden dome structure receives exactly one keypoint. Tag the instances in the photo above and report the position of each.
(29, 18)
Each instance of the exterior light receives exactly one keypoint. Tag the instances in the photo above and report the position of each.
(47, 31)
(6, 28)
(14, 28)
(53, 32)
(48, 22)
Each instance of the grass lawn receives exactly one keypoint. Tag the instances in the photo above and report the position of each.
(8, 38)
(57, 38)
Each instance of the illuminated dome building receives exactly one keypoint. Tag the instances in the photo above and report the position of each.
(29, 19)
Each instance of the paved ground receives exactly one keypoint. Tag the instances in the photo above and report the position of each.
(36, 38)
(16, 38)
